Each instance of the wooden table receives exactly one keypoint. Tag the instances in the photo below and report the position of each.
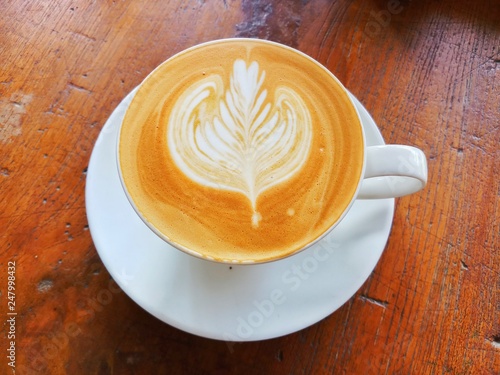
(429, 73)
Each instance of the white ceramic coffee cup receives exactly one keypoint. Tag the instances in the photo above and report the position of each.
(389, 171)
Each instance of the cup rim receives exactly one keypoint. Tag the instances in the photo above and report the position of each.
(197, 254)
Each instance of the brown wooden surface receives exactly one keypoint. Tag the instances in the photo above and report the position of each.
(428, 71)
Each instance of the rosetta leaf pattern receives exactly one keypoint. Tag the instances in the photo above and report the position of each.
(236, 138)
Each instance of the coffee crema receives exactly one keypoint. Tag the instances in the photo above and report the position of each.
(241, 150)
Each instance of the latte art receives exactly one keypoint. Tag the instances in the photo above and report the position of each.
(234, 138)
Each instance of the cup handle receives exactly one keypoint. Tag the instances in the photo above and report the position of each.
(393, 171)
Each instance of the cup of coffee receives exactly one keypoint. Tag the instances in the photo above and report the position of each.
(249, 151)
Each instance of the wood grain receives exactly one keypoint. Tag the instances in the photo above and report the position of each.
(429, 73)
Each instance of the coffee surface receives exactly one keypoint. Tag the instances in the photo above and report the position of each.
(241, 150)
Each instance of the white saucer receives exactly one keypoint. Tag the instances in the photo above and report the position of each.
(233, 303)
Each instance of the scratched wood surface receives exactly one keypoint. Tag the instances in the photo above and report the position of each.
(428, 71)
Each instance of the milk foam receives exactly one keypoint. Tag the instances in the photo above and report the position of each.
(235, 138)
(263, 136)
